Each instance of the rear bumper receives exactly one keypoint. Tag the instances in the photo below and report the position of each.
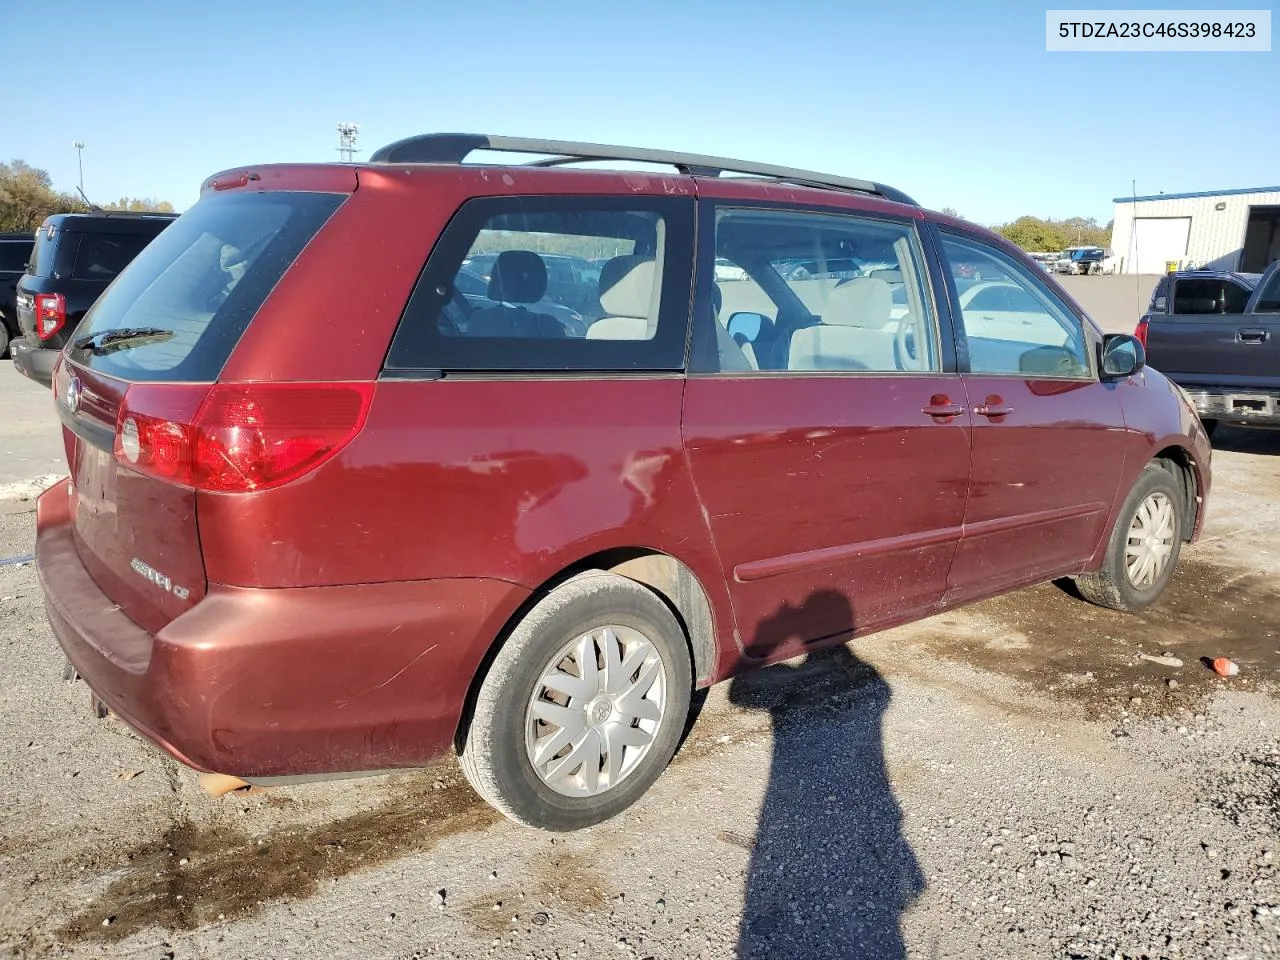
(34, 362)
(1238, 405)
(279, 683)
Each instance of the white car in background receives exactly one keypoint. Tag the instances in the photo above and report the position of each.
(728, 270)
(999, 310)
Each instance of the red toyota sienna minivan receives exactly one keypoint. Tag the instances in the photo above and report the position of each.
(374, 461)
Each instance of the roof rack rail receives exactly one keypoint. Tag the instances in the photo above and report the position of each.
(455, 147)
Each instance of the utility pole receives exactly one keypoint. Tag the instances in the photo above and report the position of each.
(347, 135)
(79, 145)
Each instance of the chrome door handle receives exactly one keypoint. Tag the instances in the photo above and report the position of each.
(942, 408)
(993, 408)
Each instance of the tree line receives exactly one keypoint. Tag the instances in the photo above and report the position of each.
(1032, 233)
(27, 197)
(1049, 236)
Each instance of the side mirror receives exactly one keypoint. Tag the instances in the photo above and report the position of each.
(1122, 356)
(747, 324)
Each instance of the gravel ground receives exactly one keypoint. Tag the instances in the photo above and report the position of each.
(1009, 780)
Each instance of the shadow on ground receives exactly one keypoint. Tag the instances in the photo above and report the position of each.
(1247, 440)
(831, 872)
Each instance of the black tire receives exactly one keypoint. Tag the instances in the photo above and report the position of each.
(4, 340)
(1111, 586)
(494, 756)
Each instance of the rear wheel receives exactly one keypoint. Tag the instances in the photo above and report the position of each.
(582, 708)
(1144, 546)
(4, 339)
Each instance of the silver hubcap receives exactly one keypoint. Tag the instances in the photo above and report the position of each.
(595, 711)
(1151, 539)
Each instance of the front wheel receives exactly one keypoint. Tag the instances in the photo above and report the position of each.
(583, 706)
(1144, 546)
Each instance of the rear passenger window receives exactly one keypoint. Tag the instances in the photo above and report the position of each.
(1208, 295)
(553, 283)
(14, 255)
(103, 255)
(797, 291)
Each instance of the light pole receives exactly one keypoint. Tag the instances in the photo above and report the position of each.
(79, 145)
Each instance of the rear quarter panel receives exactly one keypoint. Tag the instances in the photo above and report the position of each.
(513, 480)
(508, 478)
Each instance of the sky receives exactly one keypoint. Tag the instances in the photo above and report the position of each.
(957, 104)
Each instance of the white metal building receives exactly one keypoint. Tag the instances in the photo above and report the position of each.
(1226, 229)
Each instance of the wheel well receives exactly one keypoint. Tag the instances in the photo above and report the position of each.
(671, 580)
(677, 586)
(1181, 465)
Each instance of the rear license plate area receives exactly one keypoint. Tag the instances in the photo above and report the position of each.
(1248, 405)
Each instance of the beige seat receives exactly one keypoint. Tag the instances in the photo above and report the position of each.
(629, 295)
(852, 334)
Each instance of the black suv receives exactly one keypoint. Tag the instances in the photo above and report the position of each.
(76, 255)
(15, 251)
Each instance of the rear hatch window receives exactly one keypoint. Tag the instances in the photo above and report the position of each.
(42, 254)
(181, 306)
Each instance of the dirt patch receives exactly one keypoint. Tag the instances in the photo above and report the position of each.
(1061, 645)
(563, 882)
(198, 874)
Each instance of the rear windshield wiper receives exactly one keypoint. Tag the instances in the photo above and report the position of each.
(108, 341)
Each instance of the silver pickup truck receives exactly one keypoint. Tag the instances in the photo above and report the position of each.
(1217, 335)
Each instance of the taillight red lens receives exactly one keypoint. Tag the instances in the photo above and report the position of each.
(257, 436)
(1140, 332)
(238, 438)
(51, 314)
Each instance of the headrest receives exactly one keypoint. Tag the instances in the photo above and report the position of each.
(626, 286)
(890, 276)
(519, 276)
(859, 302)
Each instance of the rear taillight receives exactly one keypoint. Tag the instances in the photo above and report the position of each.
(237, 438)
(51, 314)
(1141, 331)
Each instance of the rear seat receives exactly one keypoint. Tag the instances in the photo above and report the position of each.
(852, 334)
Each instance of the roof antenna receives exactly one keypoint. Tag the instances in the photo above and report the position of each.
(92, 206)
(1133, 245)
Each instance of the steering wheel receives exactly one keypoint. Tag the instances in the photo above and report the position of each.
(904, 346)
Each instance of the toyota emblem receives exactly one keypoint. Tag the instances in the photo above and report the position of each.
(73, 394)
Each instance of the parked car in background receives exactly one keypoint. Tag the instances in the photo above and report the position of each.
(415, 537)
(15, 251)
(75, 257)
(1066, 262)
(1217, 335)
(726, 269)
(1082, 261)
